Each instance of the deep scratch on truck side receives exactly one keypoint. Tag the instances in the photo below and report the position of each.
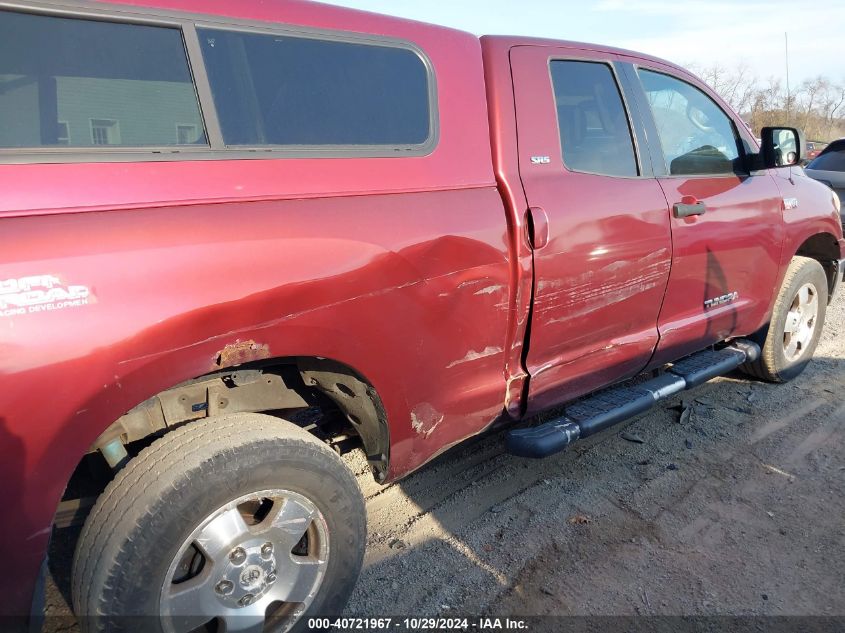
(619, 281)
(489, 290)
(473, 356)
(425, 419)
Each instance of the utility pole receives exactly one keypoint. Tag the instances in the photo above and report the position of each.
(788, 91)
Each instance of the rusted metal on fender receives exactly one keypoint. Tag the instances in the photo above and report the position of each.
(240, 353)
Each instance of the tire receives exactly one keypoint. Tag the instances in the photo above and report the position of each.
(777, 362)
(238, 482)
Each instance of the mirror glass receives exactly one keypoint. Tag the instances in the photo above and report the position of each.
(786, 147)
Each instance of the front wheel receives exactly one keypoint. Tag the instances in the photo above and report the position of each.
(243, 520)
(790, 340)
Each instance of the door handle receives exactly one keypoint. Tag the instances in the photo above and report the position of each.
(684, 210)
(537, 227)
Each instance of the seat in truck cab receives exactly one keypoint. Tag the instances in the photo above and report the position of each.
(592, 138)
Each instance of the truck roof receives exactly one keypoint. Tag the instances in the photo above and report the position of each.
(510, 41)
(299, 12)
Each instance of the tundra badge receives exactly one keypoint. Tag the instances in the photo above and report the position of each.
(720, 301)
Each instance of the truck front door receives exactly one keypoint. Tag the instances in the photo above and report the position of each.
(727, 223)
(602, 245)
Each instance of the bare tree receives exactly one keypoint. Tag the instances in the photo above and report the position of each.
(817, 105)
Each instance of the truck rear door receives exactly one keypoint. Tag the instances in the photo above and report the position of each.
(602, 244)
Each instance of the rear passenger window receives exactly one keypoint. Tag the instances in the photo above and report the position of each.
(594, 130)
(67, 82)
(297, 91)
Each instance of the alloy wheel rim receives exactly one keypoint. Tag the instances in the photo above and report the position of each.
(254, 564)
(801, 321)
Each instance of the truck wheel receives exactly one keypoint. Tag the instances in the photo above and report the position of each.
(242, 520)
(790, 339)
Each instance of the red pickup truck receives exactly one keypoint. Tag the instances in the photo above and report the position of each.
(238, 236)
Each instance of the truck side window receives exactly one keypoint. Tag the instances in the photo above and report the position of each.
(595, 135)
(697, 137)
(304, 91)
(86, 83)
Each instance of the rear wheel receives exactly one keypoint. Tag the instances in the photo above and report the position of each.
(790, 340)
(238, 523)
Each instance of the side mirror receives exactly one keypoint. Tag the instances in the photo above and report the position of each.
(783, 147)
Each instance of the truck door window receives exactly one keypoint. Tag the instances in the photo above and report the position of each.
(86, 83)
(595, 135)
(303, 91)
(696, 136)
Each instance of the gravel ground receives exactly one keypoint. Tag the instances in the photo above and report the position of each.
(736, 510)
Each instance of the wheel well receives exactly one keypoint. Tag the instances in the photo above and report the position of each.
(359, 402)
(327, 398)
(824, 248)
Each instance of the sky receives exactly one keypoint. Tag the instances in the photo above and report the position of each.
(687, 32)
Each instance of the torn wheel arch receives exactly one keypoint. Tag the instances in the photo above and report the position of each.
(359, 402)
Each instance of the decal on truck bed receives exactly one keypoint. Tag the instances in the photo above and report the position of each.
(40, 293)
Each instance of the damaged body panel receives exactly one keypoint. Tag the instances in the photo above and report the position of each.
(199, 266)
(328, 306)
(241, 352)
(602, 258)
